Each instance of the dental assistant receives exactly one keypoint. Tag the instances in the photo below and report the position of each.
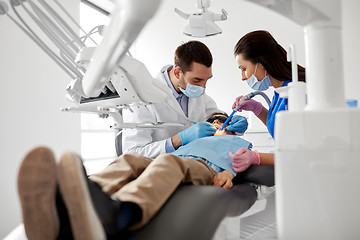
(188, 103)
(263, 63)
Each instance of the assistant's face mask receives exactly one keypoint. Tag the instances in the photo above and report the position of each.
(192, 91)
(255, 84)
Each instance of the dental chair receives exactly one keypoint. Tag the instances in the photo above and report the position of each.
(195, 212)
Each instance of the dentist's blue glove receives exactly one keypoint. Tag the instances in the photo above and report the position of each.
(199, 130)
(237, 124)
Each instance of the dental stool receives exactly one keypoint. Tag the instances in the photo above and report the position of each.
(195, 212)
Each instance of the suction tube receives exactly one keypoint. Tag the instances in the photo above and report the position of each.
(251, 95)
(244, 98)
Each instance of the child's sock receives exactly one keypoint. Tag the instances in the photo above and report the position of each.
(129, 214)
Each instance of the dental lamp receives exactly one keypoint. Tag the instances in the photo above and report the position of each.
(202, 23)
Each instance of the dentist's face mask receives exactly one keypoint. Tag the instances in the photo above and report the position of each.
(255, 84)
(192, 91)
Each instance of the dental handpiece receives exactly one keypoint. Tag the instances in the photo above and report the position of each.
(246, 97)
(228, 119)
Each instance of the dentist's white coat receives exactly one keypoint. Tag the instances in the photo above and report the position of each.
(151, 142)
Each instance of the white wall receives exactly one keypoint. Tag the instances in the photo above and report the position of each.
(351, 48)
(156, 45)
(32, 92)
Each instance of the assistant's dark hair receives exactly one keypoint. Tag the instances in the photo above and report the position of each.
(192, 51)
(261, 47)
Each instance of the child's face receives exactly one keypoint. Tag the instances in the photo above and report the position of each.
(217, 124)
(217, 121)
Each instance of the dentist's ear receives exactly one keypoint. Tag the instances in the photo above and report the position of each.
(177, 71)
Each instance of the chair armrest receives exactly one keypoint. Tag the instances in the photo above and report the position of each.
(257, 174)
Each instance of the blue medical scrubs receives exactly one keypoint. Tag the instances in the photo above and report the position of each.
(277, 104)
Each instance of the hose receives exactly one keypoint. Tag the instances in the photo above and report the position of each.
(251, 95)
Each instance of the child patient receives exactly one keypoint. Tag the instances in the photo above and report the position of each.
(214, 150)
(127, 194)
(217, 120)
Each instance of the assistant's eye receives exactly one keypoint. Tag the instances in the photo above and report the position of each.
(242, 69)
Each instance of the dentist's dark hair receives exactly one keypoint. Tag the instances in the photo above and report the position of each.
(261, 47)
(192, 51)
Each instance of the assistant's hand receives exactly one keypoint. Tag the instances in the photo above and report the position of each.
(223, 179)
(199, 130)
(243, 158)
(237, 124)
(248, 105)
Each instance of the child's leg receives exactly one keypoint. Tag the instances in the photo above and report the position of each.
(160, 179)
(123, 170)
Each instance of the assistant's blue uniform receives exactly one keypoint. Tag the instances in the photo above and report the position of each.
(277, 104)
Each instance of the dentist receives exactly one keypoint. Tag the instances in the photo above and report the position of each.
(263, 63)
(189, 103)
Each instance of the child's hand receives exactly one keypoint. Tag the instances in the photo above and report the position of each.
(223, 179)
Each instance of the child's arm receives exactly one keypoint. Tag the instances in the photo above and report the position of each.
(223, 179)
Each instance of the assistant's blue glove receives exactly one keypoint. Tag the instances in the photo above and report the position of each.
(237, 124)
(199, 130)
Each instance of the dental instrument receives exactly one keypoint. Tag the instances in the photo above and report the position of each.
(104, 78)
(296, 90)
(228, 119)
(244, 98)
